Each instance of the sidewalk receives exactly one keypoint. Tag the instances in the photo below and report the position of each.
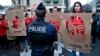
(95, 51)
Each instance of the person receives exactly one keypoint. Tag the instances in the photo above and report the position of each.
(28, 19)
(3, 35)
(20, 41)
(95, 26)
(41, 34)
(77, 8)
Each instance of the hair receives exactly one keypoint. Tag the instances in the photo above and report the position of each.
(16, 17)
(81, 8)
(2, 16)
(40, 13)
(26, 14)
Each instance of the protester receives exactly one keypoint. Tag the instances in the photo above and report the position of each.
(28, 19)
(77, 8)
(95, 26)
(3, 35)
(20, 42)
(41, 34)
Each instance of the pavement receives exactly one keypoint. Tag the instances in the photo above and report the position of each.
(95, 51)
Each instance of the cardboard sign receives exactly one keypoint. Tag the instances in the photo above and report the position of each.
(56, 23)
(16, 23)
(55, 19)
(76, 31)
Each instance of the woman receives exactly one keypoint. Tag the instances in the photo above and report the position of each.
(77, 8)
(28, 19)
(3, 35)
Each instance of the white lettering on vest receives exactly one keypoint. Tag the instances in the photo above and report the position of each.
(38, 29)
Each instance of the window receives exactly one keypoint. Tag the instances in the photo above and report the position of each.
(47, 1)
(53, 2)
(19, 2)
(28, 2)
(51, 10)
(56, 1)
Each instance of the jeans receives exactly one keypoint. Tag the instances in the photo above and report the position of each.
(94, 36)
(22, 41)
(23, 44)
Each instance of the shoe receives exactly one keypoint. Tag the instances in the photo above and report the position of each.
(21, 50)
(26, 50)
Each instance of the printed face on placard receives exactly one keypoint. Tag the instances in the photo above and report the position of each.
(16, 22)
(56, 23)
(76, 28)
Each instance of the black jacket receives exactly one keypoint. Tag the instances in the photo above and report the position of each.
(41, 33)
(96, 18)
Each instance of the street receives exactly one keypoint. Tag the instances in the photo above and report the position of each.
(95, 51)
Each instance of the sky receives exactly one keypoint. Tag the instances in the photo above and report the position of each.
(5, 2)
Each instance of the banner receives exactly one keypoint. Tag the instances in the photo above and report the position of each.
(16, 23)
(76, 31)
(55, 19)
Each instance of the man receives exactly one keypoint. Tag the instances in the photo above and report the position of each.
(42, 35)
(95, 26)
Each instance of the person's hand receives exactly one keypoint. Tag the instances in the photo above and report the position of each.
(91, 21)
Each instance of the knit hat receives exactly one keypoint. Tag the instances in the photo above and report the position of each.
(41, 7)
(40, 10)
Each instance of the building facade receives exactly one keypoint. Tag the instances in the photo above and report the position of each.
(98, 5)
(59, 4)
(50, 4)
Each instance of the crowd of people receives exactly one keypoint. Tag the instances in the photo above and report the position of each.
(41, 35)
(4, 42)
